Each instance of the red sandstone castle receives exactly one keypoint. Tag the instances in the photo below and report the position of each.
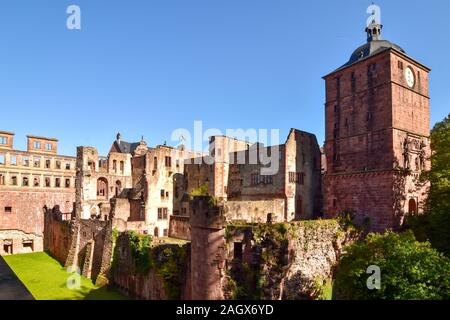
(377, 144)
(377, 114)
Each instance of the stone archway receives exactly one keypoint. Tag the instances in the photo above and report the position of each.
(102, 188)
(412, 207)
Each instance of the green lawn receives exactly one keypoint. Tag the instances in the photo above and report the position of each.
(46, 279)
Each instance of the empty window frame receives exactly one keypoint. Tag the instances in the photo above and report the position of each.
(37, 162)
(13, 160)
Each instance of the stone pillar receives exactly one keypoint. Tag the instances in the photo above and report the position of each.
(208, 249)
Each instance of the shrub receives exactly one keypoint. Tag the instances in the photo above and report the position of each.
(409, 269)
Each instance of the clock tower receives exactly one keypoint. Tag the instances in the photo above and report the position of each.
(377, 114)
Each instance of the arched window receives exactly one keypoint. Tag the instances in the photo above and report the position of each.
(412, 206)
(118, 187)
(102, 188)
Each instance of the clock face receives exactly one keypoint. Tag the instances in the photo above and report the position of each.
(409, 76)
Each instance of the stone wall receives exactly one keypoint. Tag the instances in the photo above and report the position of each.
(26, 216)
(180, 228)
(57, 236)
(157, 272)
(288, 261)
(256, 211)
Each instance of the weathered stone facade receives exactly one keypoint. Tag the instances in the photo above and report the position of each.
(377, 135)
(291, 192)
(30, 181)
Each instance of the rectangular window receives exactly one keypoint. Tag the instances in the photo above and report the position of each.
(2, 158)
(267, 179)
(47, 182)
(3, 140)
(165, 232)
(48, 146)
(37, 162)
(36, 145)
(163, 193)
(67, 165)
(400, 65)
(291, 177)
(168, 162)
(300, 178)
(36, 182)
(122, 167)
(13, 160)
(155, 163)
(58, 182)
(353, 82)
(2, 179)
(237, 250)
(25, 182)
(255, 179)
(25, 161)
(8, 209)
(14, 180)
(67, 184)
(47, 164)
(58, 164)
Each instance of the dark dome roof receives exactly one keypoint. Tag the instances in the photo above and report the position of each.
(371, 48)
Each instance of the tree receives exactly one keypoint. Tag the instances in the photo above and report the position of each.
(434, 225)
(409, 269)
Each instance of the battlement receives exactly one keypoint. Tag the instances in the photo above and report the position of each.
(206, 214)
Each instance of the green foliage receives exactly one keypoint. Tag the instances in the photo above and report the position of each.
(201, 191)
(169, 262)
(166, 260)
(323, 289)
(434, 225)
(409, 269)
(140, 251)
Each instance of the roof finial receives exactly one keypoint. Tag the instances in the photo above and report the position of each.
(118, 137)
(374, 25)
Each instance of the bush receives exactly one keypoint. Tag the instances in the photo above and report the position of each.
(409, 269)
(434, 225)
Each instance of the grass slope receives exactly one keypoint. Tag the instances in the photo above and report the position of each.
(46, 279)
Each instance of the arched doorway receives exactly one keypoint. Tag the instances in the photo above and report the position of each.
(118, 187)
(412, 206)
(102, 188)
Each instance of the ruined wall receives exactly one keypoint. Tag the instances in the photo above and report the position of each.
(180, 227)
(289, 261)
(57, 236)
(27, 216)
(151, 272)
(255, 211)
(208, 249)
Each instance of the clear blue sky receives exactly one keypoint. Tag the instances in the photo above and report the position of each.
(149, 67)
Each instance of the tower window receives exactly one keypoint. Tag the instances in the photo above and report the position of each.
(400, 65)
